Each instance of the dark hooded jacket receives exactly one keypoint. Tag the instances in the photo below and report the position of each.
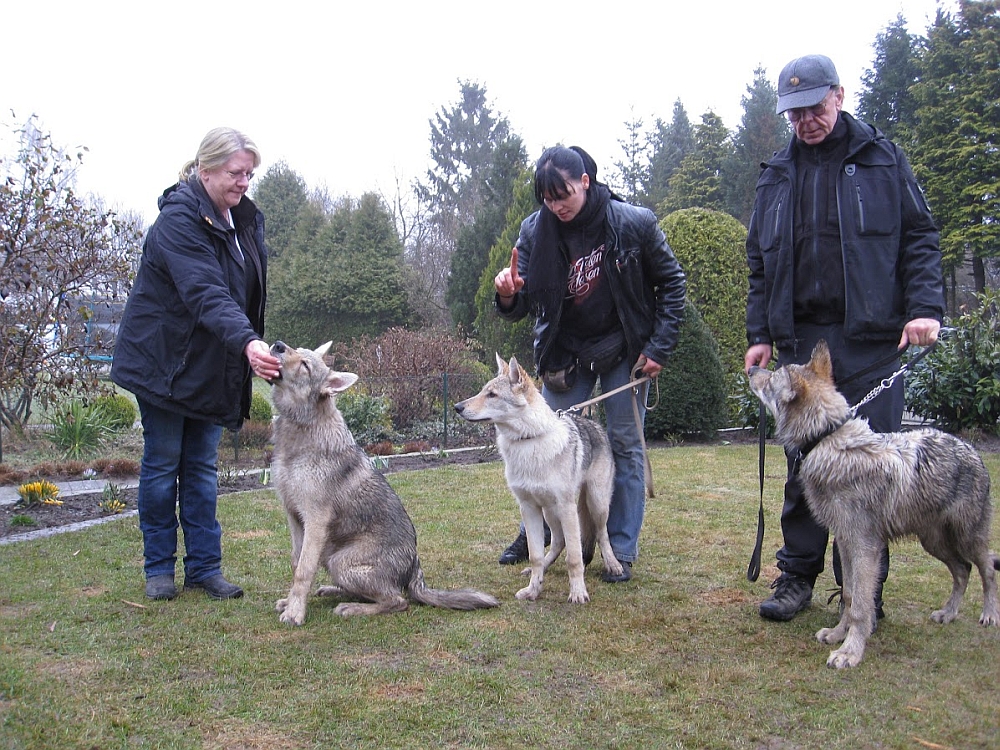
(192, 312)
(647, 285)
(890, 255)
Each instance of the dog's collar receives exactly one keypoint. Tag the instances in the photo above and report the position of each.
(806, 449)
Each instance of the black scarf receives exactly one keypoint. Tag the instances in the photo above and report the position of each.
(548, 266)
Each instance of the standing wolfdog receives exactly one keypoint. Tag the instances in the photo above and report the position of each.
(869, 488)
(341, 513)
(560, 469)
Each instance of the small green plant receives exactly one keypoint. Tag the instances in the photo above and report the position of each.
(368, 417)
(112, 500)
(42, 492)
(22, 520)
(957, 385)
(119, 411)
(78, 429)
(230, 475)
(260, 408)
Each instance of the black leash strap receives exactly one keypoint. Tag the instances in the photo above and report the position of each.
(753, 571)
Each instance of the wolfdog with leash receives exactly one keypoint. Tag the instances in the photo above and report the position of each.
(342, 514)
(869, 488)
(559, 467)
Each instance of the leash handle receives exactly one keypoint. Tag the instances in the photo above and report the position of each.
(753, 570)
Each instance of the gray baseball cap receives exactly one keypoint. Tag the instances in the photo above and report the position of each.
(805, 81)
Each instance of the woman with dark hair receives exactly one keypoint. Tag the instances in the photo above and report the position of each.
(189, 342)
(608, 297)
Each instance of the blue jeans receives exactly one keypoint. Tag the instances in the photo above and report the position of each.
(179, 472)
(628, 503)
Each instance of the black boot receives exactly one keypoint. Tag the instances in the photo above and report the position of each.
(517, 552)
(792, 594)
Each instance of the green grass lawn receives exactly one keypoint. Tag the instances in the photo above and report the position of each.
(676, 658)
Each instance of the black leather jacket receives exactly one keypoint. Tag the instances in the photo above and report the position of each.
(190, 315)
(891, 257)
(647, 284)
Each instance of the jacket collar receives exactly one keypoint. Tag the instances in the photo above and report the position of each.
(859, 135)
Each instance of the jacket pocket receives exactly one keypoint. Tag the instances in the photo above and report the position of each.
(769, 227)
(876, 206)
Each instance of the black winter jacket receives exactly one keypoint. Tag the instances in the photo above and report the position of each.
(647, 285)
(190, 314)
(891, 258)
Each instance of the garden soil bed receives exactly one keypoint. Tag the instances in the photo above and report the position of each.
(79, 508)
(85, 507)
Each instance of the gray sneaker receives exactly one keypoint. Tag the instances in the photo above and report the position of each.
(792, 594)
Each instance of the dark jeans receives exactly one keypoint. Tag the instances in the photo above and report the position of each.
(804, 539)
(179, 473)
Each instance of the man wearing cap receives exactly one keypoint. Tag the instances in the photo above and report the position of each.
(841, 247)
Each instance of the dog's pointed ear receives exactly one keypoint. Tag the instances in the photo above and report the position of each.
(514, 371)
(501, 365)
(820, 362)
(338, 382)
(797, 385)
(319, 351)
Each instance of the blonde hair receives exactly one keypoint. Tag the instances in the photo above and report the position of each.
(216, 147)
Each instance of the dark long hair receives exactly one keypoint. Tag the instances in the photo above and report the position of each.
(553, 167)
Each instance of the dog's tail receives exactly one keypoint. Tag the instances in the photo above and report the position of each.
(464, 599)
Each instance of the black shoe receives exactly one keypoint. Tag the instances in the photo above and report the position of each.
(216, 587)
(517, 552)
(161, 587)
(792, 594)
(625, 575)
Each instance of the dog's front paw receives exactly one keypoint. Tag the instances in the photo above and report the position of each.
(830, 635)
(989, 619)
(292, 613)
(280, 605)
(529, 593)
(843, 658)
(944, 616)
(579, 597)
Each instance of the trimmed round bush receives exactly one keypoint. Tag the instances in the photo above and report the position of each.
(260, 408)
(118, 411)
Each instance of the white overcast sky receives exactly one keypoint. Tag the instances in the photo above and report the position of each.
(344, 91)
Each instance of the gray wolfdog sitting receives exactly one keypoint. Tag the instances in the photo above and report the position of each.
(342, 514)
(869, 488)
(559, 467)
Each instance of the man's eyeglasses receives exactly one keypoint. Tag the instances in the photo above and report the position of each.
(801, 113)
(239, 175)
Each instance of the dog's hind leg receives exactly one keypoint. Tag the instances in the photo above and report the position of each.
(569, 519)
(991, 609)
(939, 543)
(384, 606)
(557, 542)
(595, 503)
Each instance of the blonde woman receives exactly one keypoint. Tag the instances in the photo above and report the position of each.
(189, 341)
